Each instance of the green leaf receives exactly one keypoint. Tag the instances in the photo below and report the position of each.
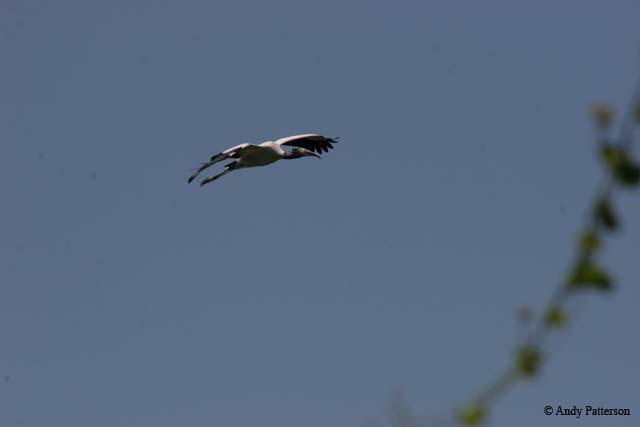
(604, 214)
(528, 361)
(611, 154)
(555, 316)
(623, 168)
(629, 174)
(587, 274)
(472, 415)
(589, 241)
(602, 114)
(636, 112)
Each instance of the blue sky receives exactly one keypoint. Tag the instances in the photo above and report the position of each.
(302, 293)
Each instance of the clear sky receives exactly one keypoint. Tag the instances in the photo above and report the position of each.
(302, 293)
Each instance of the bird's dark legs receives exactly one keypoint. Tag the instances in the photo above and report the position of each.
(230, 167)
(214, 177)
(214, 159)
(200, 169)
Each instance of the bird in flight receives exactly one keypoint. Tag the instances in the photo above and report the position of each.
(251, 155)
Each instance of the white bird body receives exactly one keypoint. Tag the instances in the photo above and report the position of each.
(251, 155)
(261, 155)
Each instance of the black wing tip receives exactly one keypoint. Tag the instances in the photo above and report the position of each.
(328, 145)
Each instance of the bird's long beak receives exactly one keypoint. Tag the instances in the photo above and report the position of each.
(311, 153)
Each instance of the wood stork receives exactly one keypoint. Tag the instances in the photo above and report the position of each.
(250, 155)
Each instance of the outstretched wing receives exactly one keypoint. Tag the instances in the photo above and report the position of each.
(233, 152)
(310, 141)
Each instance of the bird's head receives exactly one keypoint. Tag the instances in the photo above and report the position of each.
(296, 153)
